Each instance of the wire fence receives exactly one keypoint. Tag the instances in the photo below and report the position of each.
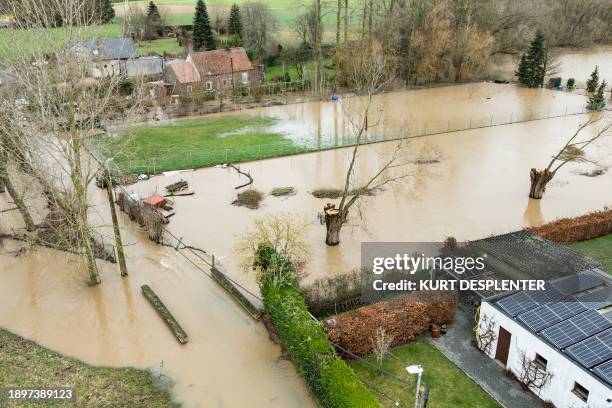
(172, 157)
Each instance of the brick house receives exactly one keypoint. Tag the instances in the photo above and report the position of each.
(225, 68)
(182, 77)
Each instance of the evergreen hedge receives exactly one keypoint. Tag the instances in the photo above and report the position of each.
(331, 380)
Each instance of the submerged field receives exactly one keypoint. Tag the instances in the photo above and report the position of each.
(449, 387)
(26, 364)
(195, 143)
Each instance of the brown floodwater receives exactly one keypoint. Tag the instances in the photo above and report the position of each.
(229, 360)
(479, 188)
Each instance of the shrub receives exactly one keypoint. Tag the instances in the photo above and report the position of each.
(571, 83)
(331, 380)
(402, 318)
(554, 82)
(250, 199)
(582, 228)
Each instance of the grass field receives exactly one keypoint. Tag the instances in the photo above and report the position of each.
(26, 364)
(598, 248)
(169, 45)
(194, 143)
(448, 386)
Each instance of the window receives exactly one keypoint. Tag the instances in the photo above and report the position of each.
(581, 392)
(223, 83)
(245, 77)
(189, 88)
(209, 85)
(540, 361)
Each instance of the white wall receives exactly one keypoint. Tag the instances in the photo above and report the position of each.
(565, 371)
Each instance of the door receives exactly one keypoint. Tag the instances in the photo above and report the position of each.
(503, 346)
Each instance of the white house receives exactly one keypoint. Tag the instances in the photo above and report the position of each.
(565, 331)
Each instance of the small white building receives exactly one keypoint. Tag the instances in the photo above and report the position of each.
(565, 331)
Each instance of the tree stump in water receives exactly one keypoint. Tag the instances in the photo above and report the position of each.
(333, 223)
(539, 180)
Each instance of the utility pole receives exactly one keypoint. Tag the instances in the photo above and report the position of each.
(117, 232)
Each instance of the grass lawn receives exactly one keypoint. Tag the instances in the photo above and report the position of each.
(169, 45)
(598, 248)
(194, 143)
(27, 42)
(448, 386)
(26, 364)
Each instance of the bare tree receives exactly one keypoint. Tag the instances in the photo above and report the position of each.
(284, 234)
(368, 71)
(573, 151)
(65, 105)
(381, 345)
(258, 25)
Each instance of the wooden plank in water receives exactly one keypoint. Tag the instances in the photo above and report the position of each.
(165, 314)
(236, 294)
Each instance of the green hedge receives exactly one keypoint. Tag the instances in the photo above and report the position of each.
(331, 380)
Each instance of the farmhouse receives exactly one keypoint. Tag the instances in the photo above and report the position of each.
(559, 341)
(225, 68)
(106, 57)
(181, 77)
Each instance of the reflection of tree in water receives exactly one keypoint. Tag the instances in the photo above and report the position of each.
(533, 213)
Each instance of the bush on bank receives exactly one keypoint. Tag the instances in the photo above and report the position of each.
(331, 380)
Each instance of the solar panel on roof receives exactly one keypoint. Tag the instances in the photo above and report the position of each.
(593, 350)
(597, 299)
(577, 283)
(551, 313)
(604, 371)
(526, 300)
(576, 328)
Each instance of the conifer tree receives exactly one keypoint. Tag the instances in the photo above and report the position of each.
(202, 33)
(597, 100)
(153, 12)
(593, 82)
(532, 66)
(105, 11)
(235, 21)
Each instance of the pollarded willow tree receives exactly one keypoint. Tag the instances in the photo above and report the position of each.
(66, 96)
(573, 151)
(368, 70)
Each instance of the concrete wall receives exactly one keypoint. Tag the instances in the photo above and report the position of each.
(565, 371)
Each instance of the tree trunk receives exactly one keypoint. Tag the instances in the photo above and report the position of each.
(338, 22)
(5, 182)
(333, 224)
(116, 230)
(539, 180)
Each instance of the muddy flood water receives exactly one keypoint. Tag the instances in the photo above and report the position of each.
(478, 188)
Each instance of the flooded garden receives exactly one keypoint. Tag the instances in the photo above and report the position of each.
(486, 137)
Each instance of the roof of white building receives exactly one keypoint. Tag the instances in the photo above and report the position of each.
(572, 315)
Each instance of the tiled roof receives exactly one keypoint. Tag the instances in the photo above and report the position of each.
(221, 61)
(185, 72)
